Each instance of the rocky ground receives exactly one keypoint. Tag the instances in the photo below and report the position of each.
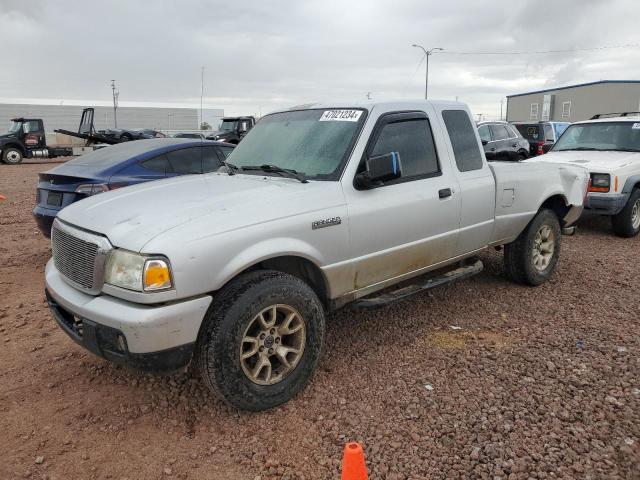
(482, 379)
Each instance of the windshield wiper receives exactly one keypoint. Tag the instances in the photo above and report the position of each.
(625, 150)
(232, 168)
(285, 172)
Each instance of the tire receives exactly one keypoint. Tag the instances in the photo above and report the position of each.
(233, 318)
(526, 260)
(522, 155)
(12, 156)
(627, 222)
(125, 138)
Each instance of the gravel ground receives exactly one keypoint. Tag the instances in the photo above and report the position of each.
(535, 383)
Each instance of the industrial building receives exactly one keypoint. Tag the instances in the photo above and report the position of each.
(68, 116)
(575, 102)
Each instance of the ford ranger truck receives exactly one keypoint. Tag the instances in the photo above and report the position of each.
(318, 207)
(609, 147)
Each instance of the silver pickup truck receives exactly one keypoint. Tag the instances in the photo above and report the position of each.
(319, 206)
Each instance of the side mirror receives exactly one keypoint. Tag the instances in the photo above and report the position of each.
(378, 169)
(484, 142)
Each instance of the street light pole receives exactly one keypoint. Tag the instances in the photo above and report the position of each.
(115, 103)
(428, 53)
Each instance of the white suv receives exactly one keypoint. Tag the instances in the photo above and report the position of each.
(609, 146)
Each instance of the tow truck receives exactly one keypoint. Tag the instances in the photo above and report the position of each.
(26, 138)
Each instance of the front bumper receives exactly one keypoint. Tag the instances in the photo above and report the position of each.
(606, 203)
(150, 337)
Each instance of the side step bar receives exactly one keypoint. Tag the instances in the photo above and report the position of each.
(459, 273)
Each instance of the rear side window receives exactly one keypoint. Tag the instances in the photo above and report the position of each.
(157, 164)
(225, 151)
(210, 160)
(463, 140)
(186, 160)
(499, 132)
(412, 139)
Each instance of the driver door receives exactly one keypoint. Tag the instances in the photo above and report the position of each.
(404, 225)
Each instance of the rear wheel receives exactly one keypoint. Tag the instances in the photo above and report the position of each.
(532, 258)
(125, 137)
(523, 155)
(12, 156)
(627, 222)
(261, 340)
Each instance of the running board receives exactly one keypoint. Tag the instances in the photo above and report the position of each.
(459, 273)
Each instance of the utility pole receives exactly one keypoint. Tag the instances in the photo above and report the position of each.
(428, 53)
(201, 95)
(115, 94)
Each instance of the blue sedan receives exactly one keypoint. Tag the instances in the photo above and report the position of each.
(121, 165)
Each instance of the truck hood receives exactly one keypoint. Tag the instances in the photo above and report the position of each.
(604, 161)
(133, 216)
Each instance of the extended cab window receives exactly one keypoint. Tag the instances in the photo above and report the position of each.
(186, 160)
(463, 140)
(412, 139)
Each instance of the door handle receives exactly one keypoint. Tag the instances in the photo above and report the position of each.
(492, 149)
(514, 145)
(444, 193)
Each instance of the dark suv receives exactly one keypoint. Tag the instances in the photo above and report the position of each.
(502, 142)
(541, 135)
(233, 129)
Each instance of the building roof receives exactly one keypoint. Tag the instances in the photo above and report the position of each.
(573, 86)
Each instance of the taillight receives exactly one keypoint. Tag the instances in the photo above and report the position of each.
(540, 150)
(92, 188)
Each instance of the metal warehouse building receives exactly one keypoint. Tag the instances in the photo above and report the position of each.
(68, 116)
(575, 102)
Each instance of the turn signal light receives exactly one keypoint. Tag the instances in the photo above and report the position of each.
(156, 275)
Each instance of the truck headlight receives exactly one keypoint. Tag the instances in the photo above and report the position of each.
(136, 272)
(600, 182)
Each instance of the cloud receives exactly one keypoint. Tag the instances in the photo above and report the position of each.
(259, 56)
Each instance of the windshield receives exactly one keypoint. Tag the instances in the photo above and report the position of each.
(228, 125)
(14, 127)
(313, 142)
(530, 132)
(624, 136)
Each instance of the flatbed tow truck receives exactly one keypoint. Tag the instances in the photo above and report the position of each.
(26, 138)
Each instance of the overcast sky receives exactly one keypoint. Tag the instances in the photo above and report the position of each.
(263, 55)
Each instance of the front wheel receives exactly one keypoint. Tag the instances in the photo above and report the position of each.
(12, 156)
(627, 222)
(261, 340)
(532, 258)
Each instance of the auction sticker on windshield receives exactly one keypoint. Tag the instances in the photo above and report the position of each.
(340, 115)
(635, 125)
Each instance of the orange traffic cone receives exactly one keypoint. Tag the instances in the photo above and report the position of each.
(2, 197)
(353, 466)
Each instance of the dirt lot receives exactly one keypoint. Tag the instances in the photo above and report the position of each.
(537, 383)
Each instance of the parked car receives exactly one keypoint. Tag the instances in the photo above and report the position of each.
(135, 134)
(541, 135)
(188, 135)
(609, 146)
(236, 270)
(233, 129)
(118, 166)
(502, 142)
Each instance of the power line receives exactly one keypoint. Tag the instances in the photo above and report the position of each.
(539, 52)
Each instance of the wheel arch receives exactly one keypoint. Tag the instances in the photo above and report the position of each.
(14, 145)
(632, 182)
(559, 205)
(299, 267)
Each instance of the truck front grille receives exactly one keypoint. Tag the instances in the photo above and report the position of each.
(74, 257)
